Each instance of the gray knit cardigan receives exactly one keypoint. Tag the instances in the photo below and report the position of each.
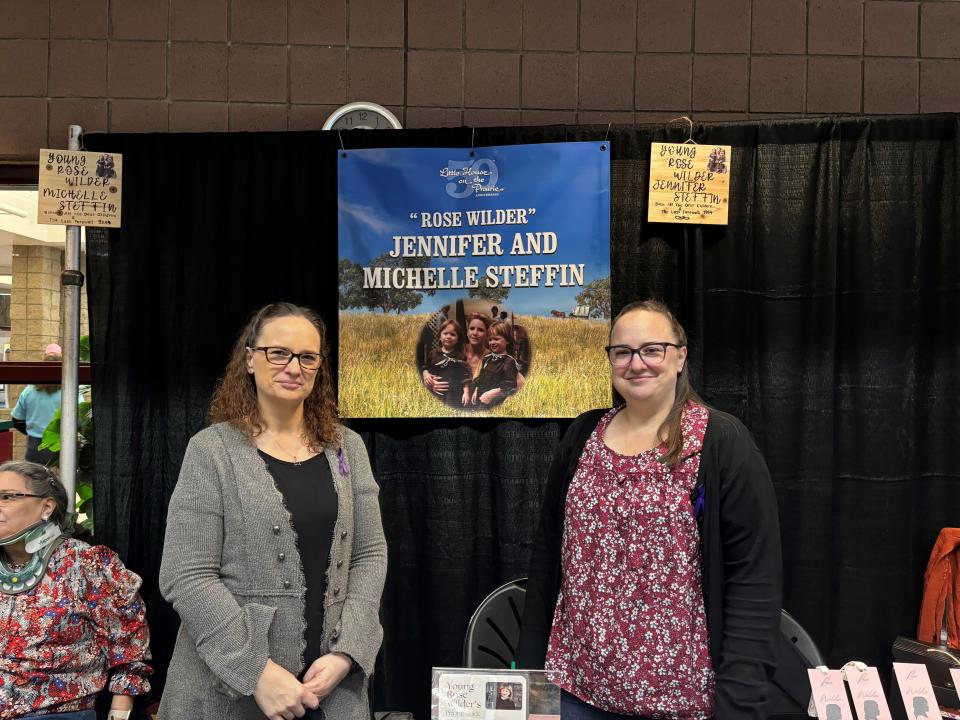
(231, 568)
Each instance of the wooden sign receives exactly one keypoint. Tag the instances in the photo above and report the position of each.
(689, 183)
(79, 188)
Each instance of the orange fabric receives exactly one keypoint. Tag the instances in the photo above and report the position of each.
(941, 590)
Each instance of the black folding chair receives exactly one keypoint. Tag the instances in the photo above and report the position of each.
(494, 629)
(796, 652)
(794, 632)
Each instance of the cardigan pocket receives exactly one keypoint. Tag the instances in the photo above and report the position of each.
(227, 704)
(335, 605)
(237, 651)
(223, 689)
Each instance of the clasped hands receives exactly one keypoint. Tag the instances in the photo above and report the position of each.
(281, 696)
(439, 387)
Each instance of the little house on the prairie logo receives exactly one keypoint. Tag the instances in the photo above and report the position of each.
(477, 176)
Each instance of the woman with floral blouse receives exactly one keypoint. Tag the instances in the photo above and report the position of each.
(654, 588)
(71, 620)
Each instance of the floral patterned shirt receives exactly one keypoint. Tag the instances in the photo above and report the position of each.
(629, 633)
(61, 640)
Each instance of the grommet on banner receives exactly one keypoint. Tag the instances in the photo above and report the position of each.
(603, 145)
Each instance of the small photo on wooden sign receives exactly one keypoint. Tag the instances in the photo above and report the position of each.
(689, 183)
(78, 187)
(482, 696)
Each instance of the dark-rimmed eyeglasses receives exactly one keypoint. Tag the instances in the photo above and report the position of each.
(8, 497)
(651, 353)
(282, 356)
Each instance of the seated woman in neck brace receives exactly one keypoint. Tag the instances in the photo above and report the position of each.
(71, 620)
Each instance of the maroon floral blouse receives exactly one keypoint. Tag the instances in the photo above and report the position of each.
(630, 631)
(60, 641)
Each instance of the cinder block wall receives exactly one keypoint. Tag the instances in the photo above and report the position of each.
(198, 65)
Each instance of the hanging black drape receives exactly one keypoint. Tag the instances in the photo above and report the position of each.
(824, 315)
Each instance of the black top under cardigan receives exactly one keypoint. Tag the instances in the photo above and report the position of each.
(311, 499)
(742, 569)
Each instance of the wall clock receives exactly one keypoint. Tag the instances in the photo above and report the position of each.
(362, 116)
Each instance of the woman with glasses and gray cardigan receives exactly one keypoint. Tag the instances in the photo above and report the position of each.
(274, 555)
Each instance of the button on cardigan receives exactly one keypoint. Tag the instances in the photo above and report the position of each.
(226, 526)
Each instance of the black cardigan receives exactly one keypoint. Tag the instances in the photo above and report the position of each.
(740, 540)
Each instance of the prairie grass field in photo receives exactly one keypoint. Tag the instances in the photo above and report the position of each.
(378, 375)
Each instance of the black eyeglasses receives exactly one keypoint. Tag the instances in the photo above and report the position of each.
(651, 353)
(7, 498)
(282, 356)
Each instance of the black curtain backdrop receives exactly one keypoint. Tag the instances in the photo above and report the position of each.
(824, 315)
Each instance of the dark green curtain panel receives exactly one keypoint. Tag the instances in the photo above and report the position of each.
(825, 315)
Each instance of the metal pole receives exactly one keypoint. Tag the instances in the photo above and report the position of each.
(71, 279)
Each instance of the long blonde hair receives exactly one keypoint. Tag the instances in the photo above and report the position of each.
(684, 390)
(235, 397)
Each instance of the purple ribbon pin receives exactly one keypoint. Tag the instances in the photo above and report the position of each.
(701, 496)
(342, 462)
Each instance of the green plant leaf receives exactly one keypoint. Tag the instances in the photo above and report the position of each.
(86, 508)
(51, 439)
(85, 348)
(51, 434)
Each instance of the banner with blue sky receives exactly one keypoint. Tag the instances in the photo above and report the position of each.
(474, 281)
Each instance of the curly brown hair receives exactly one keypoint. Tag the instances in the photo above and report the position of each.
(235, 397)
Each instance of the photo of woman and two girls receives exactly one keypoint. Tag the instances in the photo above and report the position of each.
(472, 355)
